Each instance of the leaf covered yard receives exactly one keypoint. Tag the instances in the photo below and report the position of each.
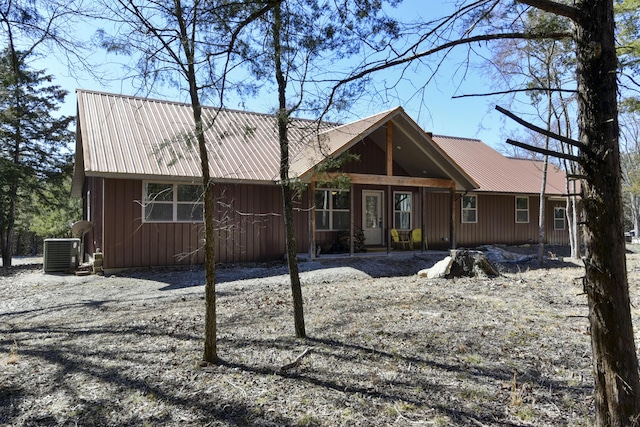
(384, 347)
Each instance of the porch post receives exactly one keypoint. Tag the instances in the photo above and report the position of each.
(452, 225)
(388, 223)
(389, 200)
(389, 148)
(352, 220)
(422, 223)
(312, 219)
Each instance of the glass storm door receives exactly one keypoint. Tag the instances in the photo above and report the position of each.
(372, 219)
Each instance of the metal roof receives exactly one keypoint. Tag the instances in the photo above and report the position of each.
(122, 135)
(497, 173)
(126, 136)
(412, 147)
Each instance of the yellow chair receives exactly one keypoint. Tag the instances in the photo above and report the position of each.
(399, 239)
(416, 238)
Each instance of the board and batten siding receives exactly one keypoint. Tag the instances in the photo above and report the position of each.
(437, 219)
(496, 222)
(249, 228)
(250, 224)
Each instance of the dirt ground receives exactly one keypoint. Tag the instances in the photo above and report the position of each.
(384, 346)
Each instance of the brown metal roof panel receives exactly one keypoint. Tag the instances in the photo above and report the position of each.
(122, 130)
(125, 135)
(241, 146)
(556, 181)
(497, 173)
(167, 129)
(334, 139)
(258, 148)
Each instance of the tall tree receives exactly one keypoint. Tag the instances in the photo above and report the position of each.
(288, 190)
(32, 140)
(30, 29)
(192, 40)
(306, 38)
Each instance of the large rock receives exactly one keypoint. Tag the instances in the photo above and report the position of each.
(439, 269)
(461, 263)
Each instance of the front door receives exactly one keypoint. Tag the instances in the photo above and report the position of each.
(372, 217)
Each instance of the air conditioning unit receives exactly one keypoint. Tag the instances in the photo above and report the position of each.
(61, 254)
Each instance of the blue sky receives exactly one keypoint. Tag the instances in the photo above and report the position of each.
(432, 107)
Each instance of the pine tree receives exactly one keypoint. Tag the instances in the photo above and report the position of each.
(32, 140)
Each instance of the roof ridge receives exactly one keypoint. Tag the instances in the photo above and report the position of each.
(187, 104)
(457, 137)
(524, 158)
(351, 123)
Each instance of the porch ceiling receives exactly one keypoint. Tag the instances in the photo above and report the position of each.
(419, 156)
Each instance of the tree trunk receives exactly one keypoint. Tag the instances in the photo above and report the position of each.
(545, 168)
(8, 229)
(9, 226)
(614, 352)
(542, 207)
(635, 211)
(292, 260)
(287, 192)
(211, 329)
(210, 354)
(6, 243)
(571, 214)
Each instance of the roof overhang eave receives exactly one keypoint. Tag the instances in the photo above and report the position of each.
(175, 178)
(517, 193)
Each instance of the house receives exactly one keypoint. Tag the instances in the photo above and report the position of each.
(137, 170)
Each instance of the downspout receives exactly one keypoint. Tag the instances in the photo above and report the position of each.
(452, 224)
(422, 223)
(102, 231)
(351, 219)
(313, 250)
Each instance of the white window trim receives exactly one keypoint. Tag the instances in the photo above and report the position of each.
(522, 210)
(462, 209)
(564, 218)
(331, 209)
(174, 203)
(410, 194)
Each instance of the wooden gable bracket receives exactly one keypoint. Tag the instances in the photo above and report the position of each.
(407, 181)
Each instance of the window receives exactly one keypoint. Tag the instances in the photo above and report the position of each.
(402, 210)
(469, 209)
(522, 209)
(173, 202)
(333, 210)
(558, 218)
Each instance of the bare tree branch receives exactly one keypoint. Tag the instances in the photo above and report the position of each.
(443, 47)
(542, 131)
(543, 151)
(565, 10)
(503, 92)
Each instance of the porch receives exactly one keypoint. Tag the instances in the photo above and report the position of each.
(379, 252)
(382, 219)
(397, 168)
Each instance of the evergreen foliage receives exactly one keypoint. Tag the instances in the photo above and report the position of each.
(34, 147)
